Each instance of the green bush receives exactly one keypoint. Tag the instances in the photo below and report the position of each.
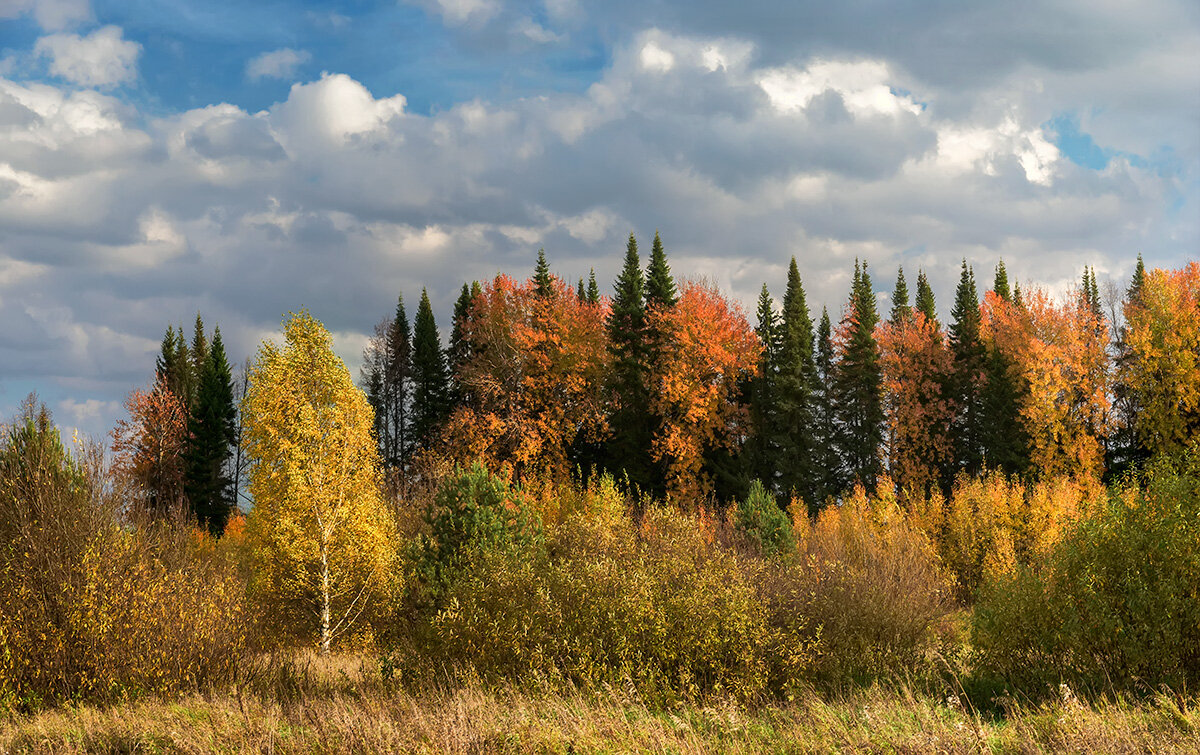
(760, 519)
(1116, 604)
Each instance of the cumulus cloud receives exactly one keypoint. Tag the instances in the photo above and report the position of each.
(277, 64)
(51, 15)
(102, 59)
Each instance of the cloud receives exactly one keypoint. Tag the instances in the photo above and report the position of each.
(278, 64)
(51, 15)
(102, 59)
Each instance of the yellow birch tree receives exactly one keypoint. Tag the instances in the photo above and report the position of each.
(322, 540)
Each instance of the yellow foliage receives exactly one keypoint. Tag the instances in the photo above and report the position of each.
(321, 539)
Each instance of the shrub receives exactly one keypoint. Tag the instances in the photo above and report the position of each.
(1116, 602)
(761, 520)
(95, 606)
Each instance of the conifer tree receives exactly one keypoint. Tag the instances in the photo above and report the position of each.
(593, 291)
(173, 365)
(901, 311)
(430, 404)
(1000, 286)
(580, 294)
(968, 377)
(212, 431)
(660, 286)
(458, 354)
(1125, 448)
(858, 382)
(795, 395)
(925, 303)
(828, 458)
(198, 356)
(543, 281)
(630, 445)
(764, 443)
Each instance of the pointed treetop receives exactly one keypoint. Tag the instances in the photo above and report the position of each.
(660, 286)
(628, 292)
(1017, 294)
(964, 330)
(766, 321)
(543, 282)
(1000, 286)
(901, 311)
(199, 344)
(1139, 279)
(925, 302)
(580, 294)
(593, 290)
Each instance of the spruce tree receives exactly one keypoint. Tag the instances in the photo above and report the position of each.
(629, 448)
(660, 286)
(580, 294)
(1000, 286)
(795, 394)
(858, 383)
(901, 311)
(430, 404)
(173, 364)
(828, 458)
(212, 431)
(593, 291)
(764, 443)
(925, 303)
(459, 352)
(543, 281)
(1126, 450)
(967, 378)
(198, 356)
(398, 388)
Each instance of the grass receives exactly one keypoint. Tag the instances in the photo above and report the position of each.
(340, 704)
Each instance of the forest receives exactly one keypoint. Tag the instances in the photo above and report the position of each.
(645, 521)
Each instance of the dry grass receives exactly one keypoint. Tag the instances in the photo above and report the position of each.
(342, 705)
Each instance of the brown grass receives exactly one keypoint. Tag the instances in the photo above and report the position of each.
(341, 704)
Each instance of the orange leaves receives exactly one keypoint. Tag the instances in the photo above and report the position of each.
(1060, 355)
(536, 373)
(1164, 341)
(149, 446)
(916, 367)
(695, 385)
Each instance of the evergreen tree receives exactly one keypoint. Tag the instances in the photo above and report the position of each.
(829, 460)
(543, 281)
(858, 383)
(901, 311)
(593, 291)
(173, 364)
(198, 356)
(629, 448)
(430, 404)
(797, 384)
(212, 431)
(398, 388)
(660, 286)
(580, 294)
(763, 445)
(925, 303)
(967, 379)
(1017, 296)
(1125, 449)
(459, 352)
(1000, 286)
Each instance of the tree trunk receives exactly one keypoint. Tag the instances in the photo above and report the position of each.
(325, 638)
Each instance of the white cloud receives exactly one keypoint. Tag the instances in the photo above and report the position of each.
(330, 111)
(863, 85)
(51, 15)
(655, 58)
(277, 64)
(463, 12)
(102, 59)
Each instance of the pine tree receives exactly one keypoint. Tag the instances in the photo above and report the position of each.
(212, 431)
(398, 388)
(459, 352)
(198, 356)
(1000, 286)
(1126, 449)
(828, 459)
(430, 404)
(172, 364)
(858, 382)
(797, 385)
(660, 286)
(968, 377)
(543, 281)
(901, 311)
(580, 294)
(762, 448)
(629, 449)
(925, 303)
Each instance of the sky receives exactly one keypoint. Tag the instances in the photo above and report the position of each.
(160, 158)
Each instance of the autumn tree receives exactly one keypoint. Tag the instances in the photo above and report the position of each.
(858, 382)
(1163, 367)
(1060, 359)
(916, 369)
(699, 385)
(149, 447)
(322, 540)
(536, 378)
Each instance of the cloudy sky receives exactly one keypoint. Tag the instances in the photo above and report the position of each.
(243, 159)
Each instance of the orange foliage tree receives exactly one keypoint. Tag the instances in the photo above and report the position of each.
(1060, 356)
(148, 447)
(695, 387)
(916, 368)
(1164, 369)
(535, 377)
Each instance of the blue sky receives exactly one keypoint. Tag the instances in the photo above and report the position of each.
(245, 159)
